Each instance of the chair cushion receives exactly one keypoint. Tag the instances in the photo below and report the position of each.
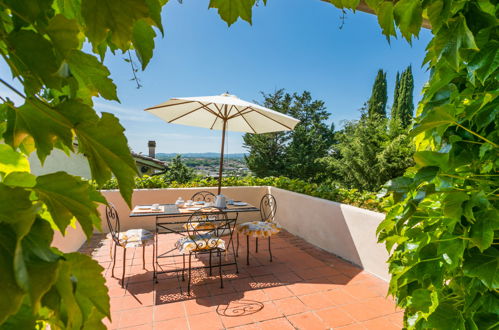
(259, 229)
(203, 225)
(135, 238)
(199, 243)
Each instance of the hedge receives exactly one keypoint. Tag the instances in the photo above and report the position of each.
(329, 191)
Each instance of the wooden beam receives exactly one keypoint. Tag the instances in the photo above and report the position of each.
(366, 9)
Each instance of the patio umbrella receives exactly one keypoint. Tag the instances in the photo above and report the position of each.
(222, 112)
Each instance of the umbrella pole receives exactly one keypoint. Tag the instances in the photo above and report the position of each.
(221, 159)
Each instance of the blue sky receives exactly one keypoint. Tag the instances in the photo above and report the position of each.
(292, 44)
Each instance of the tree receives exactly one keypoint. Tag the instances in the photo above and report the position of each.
(310, 140)
(295, 153)
(377, 101)
(396, 92)
(178, 171)
(403, 105)
(41, 43)
(368, 155)
(267, 151)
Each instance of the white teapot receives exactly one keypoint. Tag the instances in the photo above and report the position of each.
(220, 202)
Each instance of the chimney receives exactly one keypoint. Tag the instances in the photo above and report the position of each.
(152, 148)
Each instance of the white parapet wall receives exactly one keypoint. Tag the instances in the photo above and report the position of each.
(250, 195)
(344, 230)
(71, 241)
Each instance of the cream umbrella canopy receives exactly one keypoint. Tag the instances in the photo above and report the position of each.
(224, 112)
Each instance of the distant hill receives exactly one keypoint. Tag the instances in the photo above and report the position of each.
(199, 155)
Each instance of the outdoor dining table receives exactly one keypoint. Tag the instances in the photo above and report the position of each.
(164, 225)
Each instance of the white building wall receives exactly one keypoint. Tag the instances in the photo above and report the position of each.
(75, 164)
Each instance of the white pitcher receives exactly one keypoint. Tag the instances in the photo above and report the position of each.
(220, 202)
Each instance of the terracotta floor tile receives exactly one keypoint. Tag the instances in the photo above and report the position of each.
(278, 292)
(335, 317)
(175, 324)
(317, 301)
(366, 310)
(397, 318)
(276, 324)
(301, 288)
(130, 302)
(234, 321)
(169, 311)
(288, 278)
(316, 272)
(256, 295)
(116, 291)
(141, 327)
(339, 280)
(269, 311)
(241, 284)
(307, 321)
(353, 326)
(259, 270)
(135, 317)
(199, 306)
(290, 306)
(361, 291)
(215, 289)
(339, 297)
(207, 321)
(382, 323)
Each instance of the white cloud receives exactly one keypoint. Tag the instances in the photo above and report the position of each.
(125, 114)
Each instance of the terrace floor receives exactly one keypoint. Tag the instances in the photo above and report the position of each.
(303, 288)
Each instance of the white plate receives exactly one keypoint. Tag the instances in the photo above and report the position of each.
(193, 208)
(240, 204)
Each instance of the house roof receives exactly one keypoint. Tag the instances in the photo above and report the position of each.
(149, 161)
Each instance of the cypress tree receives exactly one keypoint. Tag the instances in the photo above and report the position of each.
(405, 104)
(379, 97)
(395, 97)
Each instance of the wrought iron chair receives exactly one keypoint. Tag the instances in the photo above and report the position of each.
(128, 239)
(204, 196)
(265, 228)
(204, 229)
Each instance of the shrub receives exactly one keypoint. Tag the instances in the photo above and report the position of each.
(329, 191)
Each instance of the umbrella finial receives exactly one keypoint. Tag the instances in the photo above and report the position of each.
(227, 94)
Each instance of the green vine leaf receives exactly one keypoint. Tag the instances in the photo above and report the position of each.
(102, 140)
(118, 16)
(90, 288)
(92, 76)
(64, 33)
(40, 69)
(484, 266)
(8, 284)
(143, 41)
(11, 161)
(385, 19)
(482, 231)
(408, 16)
(68, 196)
(25, 121)
(230, 11)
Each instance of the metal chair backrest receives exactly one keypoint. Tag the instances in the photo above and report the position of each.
(204, 196)
(268, 208)
(205, 224)
(113, 222)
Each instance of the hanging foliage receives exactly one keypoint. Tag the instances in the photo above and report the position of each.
(41, 42)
